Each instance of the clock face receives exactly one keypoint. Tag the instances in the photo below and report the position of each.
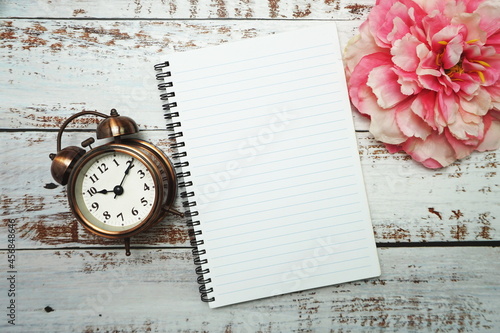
(116, 190)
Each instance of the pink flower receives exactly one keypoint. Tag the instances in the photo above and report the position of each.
(427, 74)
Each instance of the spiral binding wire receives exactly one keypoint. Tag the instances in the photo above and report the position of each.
(188, 203)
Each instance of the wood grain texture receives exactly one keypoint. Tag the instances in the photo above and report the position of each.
(438, 290)
(53, 68)
(58, 57)
(408, 203)
(192, 9)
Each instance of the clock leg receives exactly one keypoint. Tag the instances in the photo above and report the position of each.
(173, 211)
(127, 246)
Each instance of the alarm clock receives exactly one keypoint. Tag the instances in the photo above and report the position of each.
(120, 188)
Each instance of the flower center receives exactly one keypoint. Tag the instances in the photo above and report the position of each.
(457, 69)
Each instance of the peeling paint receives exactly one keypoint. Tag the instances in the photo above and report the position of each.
(459, 232)
(336, 3)
(77, 12)
(433, 211)
(456, 214)
(485, 228)
(358, 9)
(395, 233)
(220, 6)
(273, 8)
(33, 41)
(9, 34)
(301, 13)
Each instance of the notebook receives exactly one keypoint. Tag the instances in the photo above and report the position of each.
(269, 163)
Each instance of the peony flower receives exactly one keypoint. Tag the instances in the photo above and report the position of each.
(427, 74)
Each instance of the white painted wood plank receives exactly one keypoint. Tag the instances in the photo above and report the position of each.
(412, 203)
(434, 289)
(408, 202)
(39, 206)
(179, 9)
(51, 69)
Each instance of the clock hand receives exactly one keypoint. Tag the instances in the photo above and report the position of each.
(104, 191)
(118, 188)
(130, 166)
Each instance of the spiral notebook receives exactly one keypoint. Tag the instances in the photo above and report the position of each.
(269, 163)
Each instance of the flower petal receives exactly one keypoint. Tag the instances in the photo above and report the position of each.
(423, 106)
(462, 130)
(359, 46)
(494, 92)
(461, 149)
(467, 84)
(433, 152)
(432, 24)
(489, 12)
(491, 140)
(400, 28)
(393, 148)
(471, 22)
(448, 107)
(452, 53)
(359, 75)
(427, 71)
(411, 124)
(381, 20)
(383, 82)
(479, 104)
(404, 53)
(408, 81)
(384, 127)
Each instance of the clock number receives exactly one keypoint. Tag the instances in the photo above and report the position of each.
(146, 187)
(134, 211)
(94, 178)
(117, 164)
(141, 173)
(120, 215)
(106, 215)
(91, 191)
(129, 162)
(144, 202)
(95, 205)
(102, 168)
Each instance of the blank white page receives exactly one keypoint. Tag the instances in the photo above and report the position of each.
(273, 158)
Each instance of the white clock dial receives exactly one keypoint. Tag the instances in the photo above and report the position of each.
(115, 191)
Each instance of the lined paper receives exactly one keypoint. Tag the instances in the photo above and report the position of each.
(274, 162)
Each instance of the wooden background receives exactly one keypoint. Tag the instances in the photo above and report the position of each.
(437, 231)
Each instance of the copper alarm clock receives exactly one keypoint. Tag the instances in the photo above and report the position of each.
(120, 188)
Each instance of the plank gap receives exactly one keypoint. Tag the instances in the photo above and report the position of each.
(175, 19)
(101, 248)
(491, 244)
(88, 130)
(442, 244)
